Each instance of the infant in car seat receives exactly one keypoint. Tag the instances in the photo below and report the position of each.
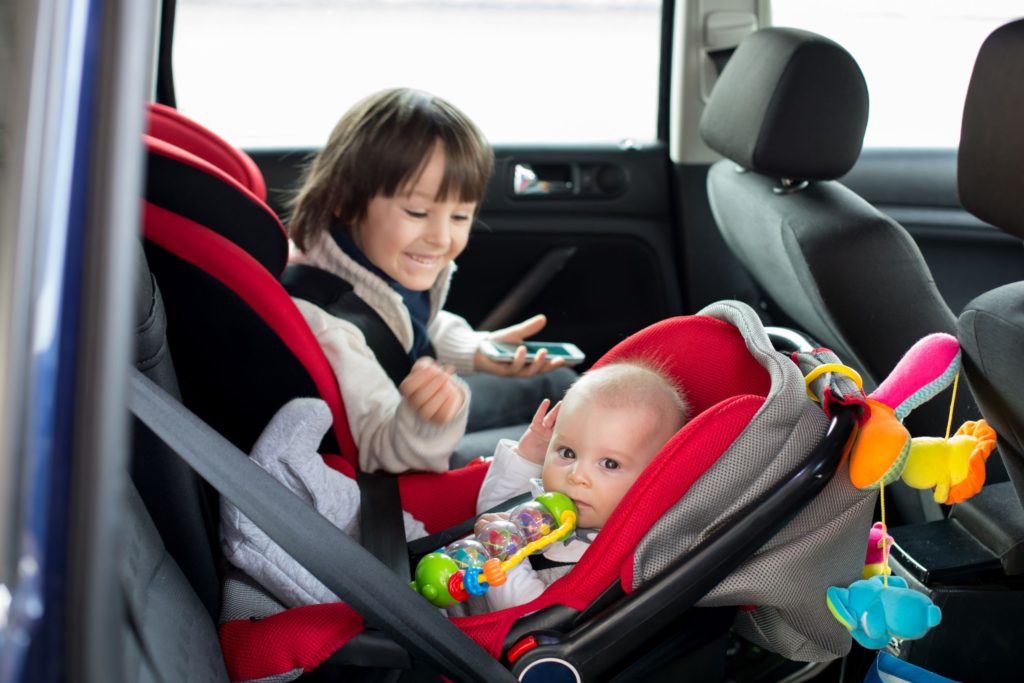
(592, 447)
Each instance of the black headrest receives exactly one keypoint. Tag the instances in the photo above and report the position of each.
(990, 167)
(789, 104)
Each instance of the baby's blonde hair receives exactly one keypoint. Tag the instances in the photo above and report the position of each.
(633, 383)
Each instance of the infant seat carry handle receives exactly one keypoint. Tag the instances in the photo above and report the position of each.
(345, 567)
(593, 647)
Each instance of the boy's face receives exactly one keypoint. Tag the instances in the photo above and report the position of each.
(410, 236)
(597, 452)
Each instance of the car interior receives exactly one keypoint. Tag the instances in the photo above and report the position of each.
(757, 225)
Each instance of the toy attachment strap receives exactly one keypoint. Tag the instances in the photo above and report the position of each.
(839, 368)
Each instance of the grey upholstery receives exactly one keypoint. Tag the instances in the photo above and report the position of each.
(990, 177)
(790, 107)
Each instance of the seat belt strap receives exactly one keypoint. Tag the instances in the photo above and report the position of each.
(380, 509)
(345, 567)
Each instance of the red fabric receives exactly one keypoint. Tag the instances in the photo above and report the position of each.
(442, 500)
(706, 356)
(681, 462)
(299, 638)
(242, 274)
(181, 156)
(171, 126)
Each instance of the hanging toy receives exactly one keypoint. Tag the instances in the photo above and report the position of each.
(883, 444)
(876, 560)
(874, 612)
(471, 565)
(954, 467)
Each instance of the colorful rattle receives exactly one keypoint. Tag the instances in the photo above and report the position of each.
(471, 565)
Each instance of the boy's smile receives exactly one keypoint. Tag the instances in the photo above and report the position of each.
(412, 236)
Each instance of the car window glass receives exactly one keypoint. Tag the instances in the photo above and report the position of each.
(917, 57)
(279, 73)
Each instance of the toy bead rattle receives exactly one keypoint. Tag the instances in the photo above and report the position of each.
(471, 565)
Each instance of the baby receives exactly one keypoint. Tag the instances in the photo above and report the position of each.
(592, 446)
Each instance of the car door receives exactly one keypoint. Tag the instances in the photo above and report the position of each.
(578, 221)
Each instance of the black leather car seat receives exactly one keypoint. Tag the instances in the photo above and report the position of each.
(990, 179)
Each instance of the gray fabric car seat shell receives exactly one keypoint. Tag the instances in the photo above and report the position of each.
(789, 113)
(990, 179)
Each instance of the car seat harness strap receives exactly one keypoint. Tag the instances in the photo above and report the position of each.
(381, 527)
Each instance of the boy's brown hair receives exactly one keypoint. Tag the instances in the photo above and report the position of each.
(378, 147)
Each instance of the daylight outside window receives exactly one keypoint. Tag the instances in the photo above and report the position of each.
(279, 73)
(916, 55)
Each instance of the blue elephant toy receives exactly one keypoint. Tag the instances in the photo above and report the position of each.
(874, 613)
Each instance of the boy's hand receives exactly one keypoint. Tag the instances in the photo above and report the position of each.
(518, 367)
(432, 391)
(533, 444)
(487, 518)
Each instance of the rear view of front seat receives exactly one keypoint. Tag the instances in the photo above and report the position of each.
(990, 179)
(789, 114)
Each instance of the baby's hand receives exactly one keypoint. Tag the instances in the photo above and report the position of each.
(487, 518)
(432, 391)
(533, 444)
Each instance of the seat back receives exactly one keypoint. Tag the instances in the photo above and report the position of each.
(989, 179)
(240, 346)
(789, 114)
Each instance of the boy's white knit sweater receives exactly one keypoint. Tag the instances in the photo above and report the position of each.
(389, 434)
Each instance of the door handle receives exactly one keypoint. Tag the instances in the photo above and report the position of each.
(547, 179)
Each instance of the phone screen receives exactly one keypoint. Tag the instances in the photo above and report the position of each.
(555, 350)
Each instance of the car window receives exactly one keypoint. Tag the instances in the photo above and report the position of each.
(917, 57)
(279, 73)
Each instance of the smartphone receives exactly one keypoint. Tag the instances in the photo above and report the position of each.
(504, 352)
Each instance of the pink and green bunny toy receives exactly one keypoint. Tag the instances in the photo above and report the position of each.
(884, 450)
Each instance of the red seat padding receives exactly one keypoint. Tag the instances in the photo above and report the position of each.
(187, 185)
(314, 633)
(228, 314)
(167, 124)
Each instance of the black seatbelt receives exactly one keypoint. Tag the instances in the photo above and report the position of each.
(341, 564)
(380, 509)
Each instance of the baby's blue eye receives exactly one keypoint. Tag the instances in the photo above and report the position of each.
(567, 453)
(609, 464)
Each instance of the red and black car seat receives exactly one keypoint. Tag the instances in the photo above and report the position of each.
(241, 348)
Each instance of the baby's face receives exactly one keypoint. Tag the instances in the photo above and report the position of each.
(597, 452)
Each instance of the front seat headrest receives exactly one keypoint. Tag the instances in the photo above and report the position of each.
(789, 104)
(990, 165)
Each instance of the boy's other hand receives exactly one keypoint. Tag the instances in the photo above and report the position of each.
(488, 518)
(432, 391)
(519, 367)
(533, 444)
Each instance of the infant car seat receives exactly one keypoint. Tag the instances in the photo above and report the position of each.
(718, 517)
